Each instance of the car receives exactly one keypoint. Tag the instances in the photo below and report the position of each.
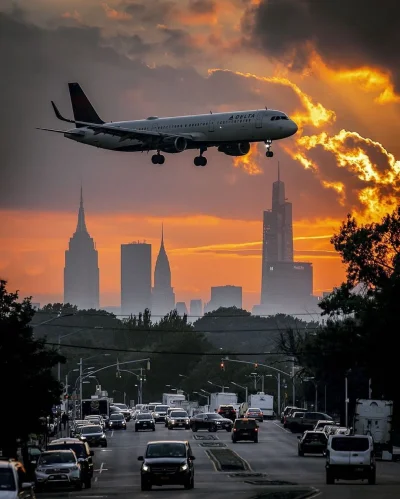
(178, 419)
(245, 429)
(117, 421)
(145, 422)
(167, 463)
(160, 413)
(293, 419)
(94, 435)
(169, 410)
(58, 467)
(83, 454)
(124, 409)
(255, 413)
(210, 421)
(286, 411)
(350, 457)
(310, 419)
(14, 483)
(227, 411)
(319, 425)
(312, 442)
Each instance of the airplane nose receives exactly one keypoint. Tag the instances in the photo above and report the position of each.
(293, 128)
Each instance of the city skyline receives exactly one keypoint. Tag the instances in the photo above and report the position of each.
(175, 61)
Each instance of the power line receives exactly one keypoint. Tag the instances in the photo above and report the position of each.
(163, 352)
(212, 316)
(150, 330)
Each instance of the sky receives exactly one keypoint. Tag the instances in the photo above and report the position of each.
(324, 63)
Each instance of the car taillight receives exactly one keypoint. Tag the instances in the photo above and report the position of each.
(234, 429)
(256, 429)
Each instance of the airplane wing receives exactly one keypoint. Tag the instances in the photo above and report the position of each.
(123, 133)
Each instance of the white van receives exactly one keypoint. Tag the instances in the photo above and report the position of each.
(350, 457)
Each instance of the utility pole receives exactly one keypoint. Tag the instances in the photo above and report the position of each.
(80, 386)
(279, 395)
(262, 382)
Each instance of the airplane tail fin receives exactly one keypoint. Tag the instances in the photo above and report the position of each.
(82, 108)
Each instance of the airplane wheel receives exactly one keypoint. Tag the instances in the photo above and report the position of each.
(161, 159)
(269, 154)
(200, 161)
(154, 159)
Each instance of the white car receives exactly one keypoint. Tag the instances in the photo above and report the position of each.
(350, 457)
(13, 481)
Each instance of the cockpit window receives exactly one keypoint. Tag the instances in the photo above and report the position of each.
(274, 118)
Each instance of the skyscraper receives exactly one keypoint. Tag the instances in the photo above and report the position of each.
(163, 298)
(286, 285)
(81, 272)
(135, 278)
(277, 227)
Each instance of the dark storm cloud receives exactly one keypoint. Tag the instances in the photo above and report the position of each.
(151, 12)
(202, 6)
(349, 33)
(177, 41)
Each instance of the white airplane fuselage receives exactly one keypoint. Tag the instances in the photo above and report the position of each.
(205, 130)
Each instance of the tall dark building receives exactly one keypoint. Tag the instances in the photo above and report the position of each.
(278, 227)
(163, 298)
(81, 272)
(286, 285)
(135, 278)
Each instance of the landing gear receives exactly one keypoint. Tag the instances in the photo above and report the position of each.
(269, 153)
(158, 159)
(200, 160)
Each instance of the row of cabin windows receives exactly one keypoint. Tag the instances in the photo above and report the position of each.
(163, 127)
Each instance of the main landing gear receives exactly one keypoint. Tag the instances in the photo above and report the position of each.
(269, 153)
(158, 159)
(200, 160)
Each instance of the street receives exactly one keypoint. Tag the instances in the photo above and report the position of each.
(274, 459)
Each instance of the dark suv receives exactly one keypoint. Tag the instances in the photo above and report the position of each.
(83, 454)
(245, 429)
(167, 463)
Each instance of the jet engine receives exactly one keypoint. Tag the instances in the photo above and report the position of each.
(238, 149)
(174, 144)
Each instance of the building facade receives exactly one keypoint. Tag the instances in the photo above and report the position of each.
(81, 271)
(163, 296)
(225, 296)
(135, 278)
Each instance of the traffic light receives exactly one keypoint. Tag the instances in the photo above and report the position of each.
(222, 365)
(256, 365)
(118, 374)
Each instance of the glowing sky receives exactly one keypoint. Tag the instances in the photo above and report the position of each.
(165, 57)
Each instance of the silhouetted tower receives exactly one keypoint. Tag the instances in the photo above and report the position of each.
(81, 272)
(163, 299)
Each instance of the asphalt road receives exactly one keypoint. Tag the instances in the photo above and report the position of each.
(274, 458)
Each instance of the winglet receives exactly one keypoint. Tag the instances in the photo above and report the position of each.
(59, 115)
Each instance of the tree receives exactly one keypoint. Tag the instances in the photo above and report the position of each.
(358, 341)
(28, 387)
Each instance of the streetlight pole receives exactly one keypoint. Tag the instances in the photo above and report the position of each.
(346, 395)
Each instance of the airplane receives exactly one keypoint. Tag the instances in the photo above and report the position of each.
(230, 132)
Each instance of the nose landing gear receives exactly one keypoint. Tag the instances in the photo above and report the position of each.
(269, 153)
(158, 159)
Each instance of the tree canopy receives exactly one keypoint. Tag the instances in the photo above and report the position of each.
(359, 337)
(28, 387)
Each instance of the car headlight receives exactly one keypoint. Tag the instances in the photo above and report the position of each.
(74, 468)
(103, 436)
(145, 467)
(172, 421)
(184, 467)
(41, 470)
(186, 421)
(110, 423)
(156, 414)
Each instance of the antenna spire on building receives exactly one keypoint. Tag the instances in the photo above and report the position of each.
(81, 226)
(162, 234)
(279, 173)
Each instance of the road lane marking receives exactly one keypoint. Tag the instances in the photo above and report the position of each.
(283, 429)
(112, 433)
